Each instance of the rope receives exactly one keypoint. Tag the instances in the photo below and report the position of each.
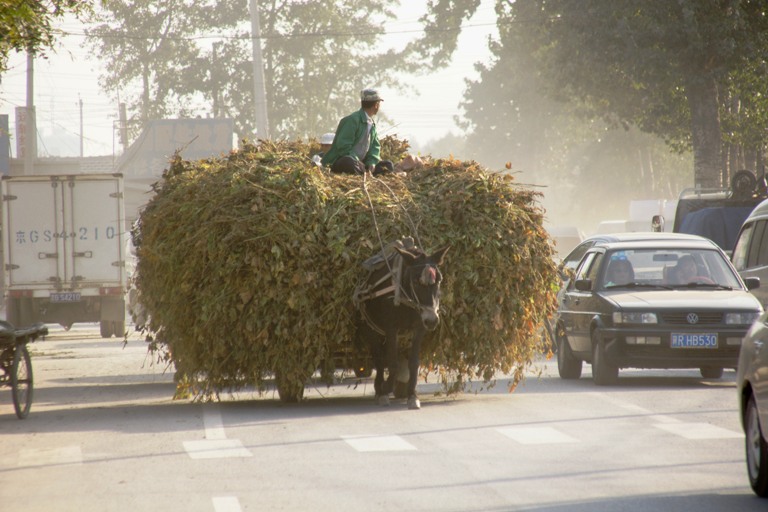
(375, 221)
(405, 210)
(396, 276)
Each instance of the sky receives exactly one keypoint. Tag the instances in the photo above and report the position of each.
(66, 90)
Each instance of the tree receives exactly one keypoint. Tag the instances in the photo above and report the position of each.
(508, 117)
(662, 66)
(659, 65)
(189, 56)
(27, 25)
(151, 54)
(745, 116)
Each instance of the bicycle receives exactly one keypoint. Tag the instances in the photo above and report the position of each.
(16, 363)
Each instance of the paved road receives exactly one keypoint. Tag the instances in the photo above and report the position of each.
(105, 435)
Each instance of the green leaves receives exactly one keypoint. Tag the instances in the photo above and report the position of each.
(258, 281)
(28, 25)
(194, 57)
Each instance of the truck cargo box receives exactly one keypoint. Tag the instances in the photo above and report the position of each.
(64, 249)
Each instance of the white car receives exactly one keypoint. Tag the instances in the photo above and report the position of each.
(752, 385)
(664, 303)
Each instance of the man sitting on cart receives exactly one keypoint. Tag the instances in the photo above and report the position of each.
(356, 148)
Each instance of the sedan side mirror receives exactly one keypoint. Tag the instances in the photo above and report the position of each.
(583, 285)
(752, 282)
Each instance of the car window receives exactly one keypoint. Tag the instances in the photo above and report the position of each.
(741, 249)
(762, 256)
(670, 267)
(571, 261)
(755, 244)
(583, 268)
(594, 267)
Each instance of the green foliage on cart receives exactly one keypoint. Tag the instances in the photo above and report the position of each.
(247, 264)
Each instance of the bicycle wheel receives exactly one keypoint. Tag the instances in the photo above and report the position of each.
(21, 381)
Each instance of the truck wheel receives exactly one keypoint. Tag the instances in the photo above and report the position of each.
(119, 329)
(19, 312)
(743, 183)
(12, 312)
(105, 328)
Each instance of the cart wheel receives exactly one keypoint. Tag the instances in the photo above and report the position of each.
(288, 390)
(21, 381)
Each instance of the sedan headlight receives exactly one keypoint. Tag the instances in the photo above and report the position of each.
(634, 318)
(741, 318)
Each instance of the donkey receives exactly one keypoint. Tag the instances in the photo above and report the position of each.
(401, 293)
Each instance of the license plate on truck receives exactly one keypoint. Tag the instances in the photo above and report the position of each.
(65, 297)
(704, 340)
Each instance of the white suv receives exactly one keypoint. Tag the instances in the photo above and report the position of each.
(750, 254)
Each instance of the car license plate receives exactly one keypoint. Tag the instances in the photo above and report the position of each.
(694, 340)
(65, 297)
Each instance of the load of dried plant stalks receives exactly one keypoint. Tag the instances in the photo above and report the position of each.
(247, 264)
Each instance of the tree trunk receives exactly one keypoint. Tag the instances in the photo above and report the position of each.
(705, 131)
(750, 159)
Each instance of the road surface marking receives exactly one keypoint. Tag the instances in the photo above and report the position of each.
(64, 455)
(536, 435)
(226, 504)
(213, 424)
(661, 418)
(698, 431)
(378, 443)
(607, 397)
(215, 445)
(216, 449)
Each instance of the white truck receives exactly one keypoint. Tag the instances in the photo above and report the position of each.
(64, 250)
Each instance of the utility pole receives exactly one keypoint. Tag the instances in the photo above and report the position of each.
(214, 80)
(81, 126)
(259, 88)
(30, 131)
(123, 126)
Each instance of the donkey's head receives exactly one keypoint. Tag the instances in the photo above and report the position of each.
(421, 283)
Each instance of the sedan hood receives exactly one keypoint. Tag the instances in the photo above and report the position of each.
(683, 299)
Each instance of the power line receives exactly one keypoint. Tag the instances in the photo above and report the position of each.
(321, 34)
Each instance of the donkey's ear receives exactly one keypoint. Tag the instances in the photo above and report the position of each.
(439, 254)
(411, 256)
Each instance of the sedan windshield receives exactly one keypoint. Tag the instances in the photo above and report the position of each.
(667, 268)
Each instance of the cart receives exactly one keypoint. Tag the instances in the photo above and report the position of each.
(16, 364)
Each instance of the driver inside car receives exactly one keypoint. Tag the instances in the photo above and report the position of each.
(619, 272)
(686, 271)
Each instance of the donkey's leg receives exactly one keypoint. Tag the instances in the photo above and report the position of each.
(373, 341)
(390, 347)
(377, 352)
(413, 369)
